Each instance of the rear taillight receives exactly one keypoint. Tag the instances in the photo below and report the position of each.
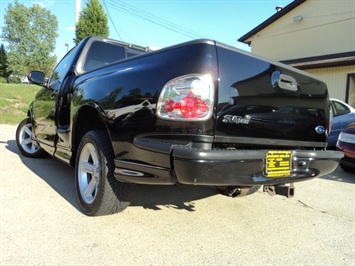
(188, 98)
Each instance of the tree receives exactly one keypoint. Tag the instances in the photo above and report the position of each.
(92, 22)
(4, 65)
(30, 34)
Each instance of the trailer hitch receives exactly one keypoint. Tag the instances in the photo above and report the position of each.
(283, 190)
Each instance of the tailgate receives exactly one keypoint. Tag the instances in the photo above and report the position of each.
(267, 103)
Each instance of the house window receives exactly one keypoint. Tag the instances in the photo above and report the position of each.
(350, 90)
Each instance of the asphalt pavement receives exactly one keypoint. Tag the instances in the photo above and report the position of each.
(42, 224)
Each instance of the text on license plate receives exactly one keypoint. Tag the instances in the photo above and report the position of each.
(278, 163)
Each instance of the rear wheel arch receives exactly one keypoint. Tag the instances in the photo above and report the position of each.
(86, 119)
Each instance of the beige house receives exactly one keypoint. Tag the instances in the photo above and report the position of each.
(317, 36)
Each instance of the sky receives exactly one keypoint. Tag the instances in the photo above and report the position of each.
(161, 23)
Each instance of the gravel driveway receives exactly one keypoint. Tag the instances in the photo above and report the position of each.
(41, 223)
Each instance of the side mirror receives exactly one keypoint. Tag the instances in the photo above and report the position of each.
(37, 77)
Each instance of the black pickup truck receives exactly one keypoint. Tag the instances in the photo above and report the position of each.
(197, 113)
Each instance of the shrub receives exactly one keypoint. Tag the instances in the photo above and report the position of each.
(15, 80)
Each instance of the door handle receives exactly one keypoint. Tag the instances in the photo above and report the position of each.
(284, 82)
(287, 82)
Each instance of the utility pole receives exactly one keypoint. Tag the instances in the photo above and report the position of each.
(77, 10)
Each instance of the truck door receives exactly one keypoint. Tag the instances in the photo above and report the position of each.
(45, 106)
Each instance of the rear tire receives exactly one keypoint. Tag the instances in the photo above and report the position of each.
(99, 193)
(236, 191)
(26, 142)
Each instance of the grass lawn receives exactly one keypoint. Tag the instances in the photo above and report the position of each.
(14, 101)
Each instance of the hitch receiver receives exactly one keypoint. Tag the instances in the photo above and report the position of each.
(283, 190)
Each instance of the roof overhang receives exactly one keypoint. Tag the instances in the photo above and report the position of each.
(330, 60)
(273, 18)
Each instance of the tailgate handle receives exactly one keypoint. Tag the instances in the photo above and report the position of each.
(284, 82)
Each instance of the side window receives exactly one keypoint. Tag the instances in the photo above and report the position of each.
(60, 71)
(340, 109)
(132, 52)
(101, 54)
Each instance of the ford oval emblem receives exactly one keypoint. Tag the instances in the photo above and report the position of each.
(320, 129)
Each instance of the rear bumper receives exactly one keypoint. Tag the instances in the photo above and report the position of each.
(203, 166)
(247, 168)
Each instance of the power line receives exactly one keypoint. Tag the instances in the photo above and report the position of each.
(113, 24)
(138, 13)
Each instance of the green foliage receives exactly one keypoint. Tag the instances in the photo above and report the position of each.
(92, 22)
(14, 102)
(3, 80)
(30, 34)
(4, 65)
(13, 79)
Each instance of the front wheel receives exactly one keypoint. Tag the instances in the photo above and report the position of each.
(98, 191)
(26, 142)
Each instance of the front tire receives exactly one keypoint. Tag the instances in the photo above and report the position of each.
(98, 191)
(26, 142)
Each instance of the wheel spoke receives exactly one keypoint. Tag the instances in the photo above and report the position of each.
(33, 148)
(90, 188)
(28, 131)
(26, 141)
(93, 155)
(86, 167)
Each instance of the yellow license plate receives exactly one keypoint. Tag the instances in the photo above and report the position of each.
(278, 164)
